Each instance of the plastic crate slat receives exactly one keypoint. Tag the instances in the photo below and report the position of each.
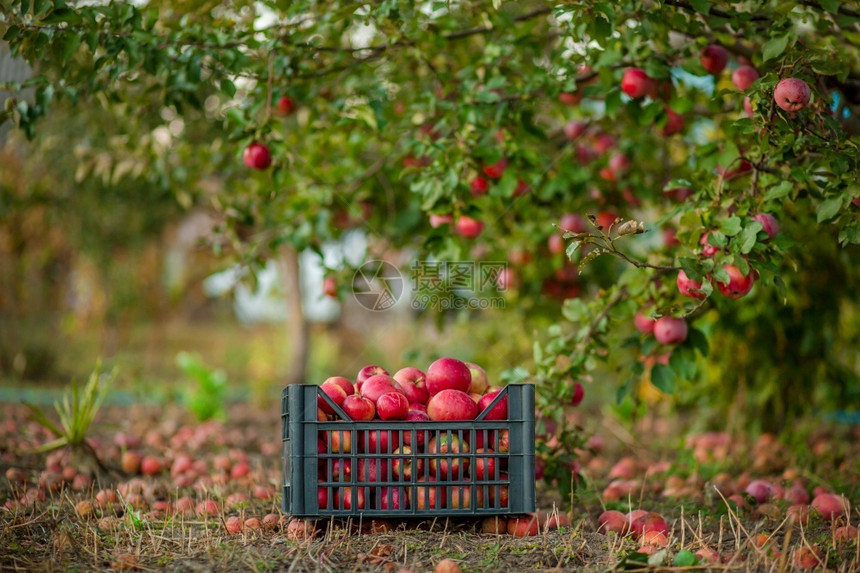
(302, 461)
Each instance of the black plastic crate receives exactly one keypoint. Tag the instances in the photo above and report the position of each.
(321, 480)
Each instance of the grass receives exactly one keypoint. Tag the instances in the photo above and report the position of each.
(50, 533)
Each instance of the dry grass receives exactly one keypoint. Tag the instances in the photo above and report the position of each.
(49, 533)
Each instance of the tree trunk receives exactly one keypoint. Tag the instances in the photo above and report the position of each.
(298, 330)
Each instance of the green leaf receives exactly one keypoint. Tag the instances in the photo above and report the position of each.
(779, 191)
(623, 391)
(701, 6)
(685, 558)
(774, 47)
(697, 339)
(11, 33)
(850, 233)
(571, 249)
(828, 208)
(780, 288)
(748, 237)
(228, 87)
(613, 103)
(830, 5)
(663, 377)
(70, 44)
(683, 362)
(731, 226)
(659, 558)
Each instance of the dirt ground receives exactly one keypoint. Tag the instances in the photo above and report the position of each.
(54, 517)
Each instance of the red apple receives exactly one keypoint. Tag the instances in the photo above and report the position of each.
(744, 77)
(334, 391)
(468, 227)
(497, 169)
(742, 167)
(392, 406)
(649, 522)
(485, 467)
(257, 156)
(524, 526)
(426, 496)
(791, 94)
(367, 372)
(606, 219)
(522, 188)
(379, 441)
(448, 373)
(678, 193)
(689, 287)
(573, 222)
(359, 408)
(415, 415)
(619, 162)
(504, 442)
(392, 498)
(479, 186)
(846, 534)
(573, 129)
(578, 394)
(130, 462)
(373, 470)
(341, 441)
(612, 520)
(708, 249)
(460, 497)
(768, 223)
(670, 237)
(797, 494)
(670, 330)
(343, 383)
(556, 244)
(739, 285)
(674, 123)
(412, 382)
(150, 466)
(632, 516)
(341, 470)
(519, 257)
(286, 105)
(380, 384)
(636, 83)
(499, 411)
(570, 99)
(446, 468)
(346, 498)
(401, 467)
(714, 59)
(497, 495)
(479, 381)
(507, 279)
(748, 108)
(439, 220)
(831, 506)
(604, 142)
(330, 287)
(643, 324)
(450, 405)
